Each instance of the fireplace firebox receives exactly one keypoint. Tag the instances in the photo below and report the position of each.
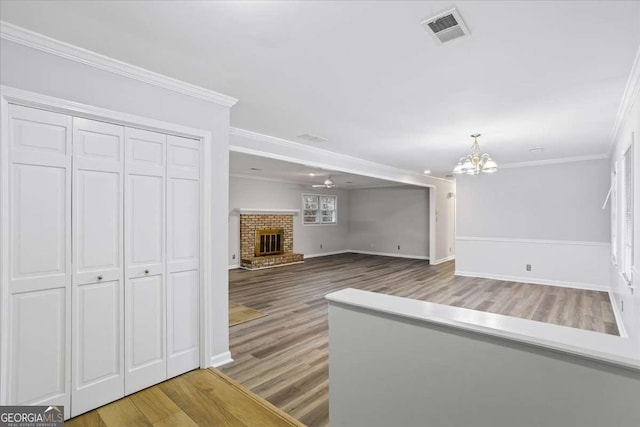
(269, 241)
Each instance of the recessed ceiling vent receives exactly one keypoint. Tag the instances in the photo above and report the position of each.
(446, 26)
(312, 138)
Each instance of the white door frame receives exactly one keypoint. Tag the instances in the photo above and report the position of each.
(30, 99)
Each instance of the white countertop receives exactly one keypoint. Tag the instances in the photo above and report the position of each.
(593, 345)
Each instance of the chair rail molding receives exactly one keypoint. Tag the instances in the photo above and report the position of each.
(16, 34)
(535, 241)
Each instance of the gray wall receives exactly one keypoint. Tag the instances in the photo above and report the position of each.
(555, 202)
(250, 193)
(383, 218)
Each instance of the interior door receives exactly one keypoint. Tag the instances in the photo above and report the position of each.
(37, 357)
(183, 249)
(98, 296)
(145, 312)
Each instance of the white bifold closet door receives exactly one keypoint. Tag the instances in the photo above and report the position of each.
(36, 358)
(145, 299)
(98, 298)
(103, 267)
(183, 249)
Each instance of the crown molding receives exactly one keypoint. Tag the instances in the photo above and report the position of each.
(34, 40)
(553, 161)
(346, 187)
(629, 98)
(321, 151)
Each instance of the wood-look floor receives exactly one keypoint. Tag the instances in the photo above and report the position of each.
(283, 356)
(198, 398)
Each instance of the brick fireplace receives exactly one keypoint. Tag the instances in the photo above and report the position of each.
(266, 239)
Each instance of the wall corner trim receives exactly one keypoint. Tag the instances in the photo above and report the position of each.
(22, 36)
(220, 359)
(441, 260)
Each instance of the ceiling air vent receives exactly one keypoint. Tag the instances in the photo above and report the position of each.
(312, 138)
(446, 26)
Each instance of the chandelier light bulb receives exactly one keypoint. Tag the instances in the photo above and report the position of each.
(474, 164)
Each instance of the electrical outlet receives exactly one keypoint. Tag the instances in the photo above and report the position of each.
(233, 256)
(622, 305)
(528, 267)
(450, 250)
(373, 245)
(320, 245)
(398, 247)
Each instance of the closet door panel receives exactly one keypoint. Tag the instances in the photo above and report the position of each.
(98, 225)
(39, 137)
(145, 314)
(146, 221)
(183, 208)
(183, 249)
(39, 212)
(98, 329)
(38, 273)
(145, 255)
(182, 316)
(38, 347)
(184, 221)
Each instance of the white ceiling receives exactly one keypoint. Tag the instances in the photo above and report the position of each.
(367, 77)
(243, 166)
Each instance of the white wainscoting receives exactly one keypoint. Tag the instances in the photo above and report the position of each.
(566, 263)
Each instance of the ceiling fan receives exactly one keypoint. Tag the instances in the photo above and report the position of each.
(328, 183)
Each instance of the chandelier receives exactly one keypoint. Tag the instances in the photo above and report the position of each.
(474, 163)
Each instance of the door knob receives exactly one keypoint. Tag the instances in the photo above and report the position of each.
(146, 272)
(99, 277)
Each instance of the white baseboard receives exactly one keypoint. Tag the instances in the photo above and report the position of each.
(535, 281)
(388, 254)
(441, 260)
(220, 359)
(344, 251)
(234, 266)
(618, 316)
